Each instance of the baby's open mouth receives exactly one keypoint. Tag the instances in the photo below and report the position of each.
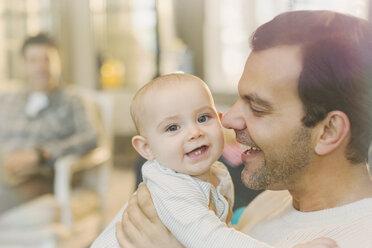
(197, 151)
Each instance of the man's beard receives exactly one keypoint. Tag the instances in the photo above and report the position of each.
(279, 167)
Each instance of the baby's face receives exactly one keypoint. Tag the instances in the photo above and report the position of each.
(183, 128)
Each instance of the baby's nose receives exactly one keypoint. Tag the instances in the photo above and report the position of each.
(195, 132)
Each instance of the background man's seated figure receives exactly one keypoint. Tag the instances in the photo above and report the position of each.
(38, 125)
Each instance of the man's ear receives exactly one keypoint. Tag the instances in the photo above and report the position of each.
(333, 130)
(142, 147)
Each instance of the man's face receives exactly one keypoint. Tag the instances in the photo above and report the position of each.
(267, 119)
(183, 129)
(42, 66)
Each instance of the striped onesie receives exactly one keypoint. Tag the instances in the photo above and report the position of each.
(182, 203)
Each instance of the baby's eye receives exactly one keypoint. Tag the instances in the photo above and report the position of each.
(203, 118)
(172, 128)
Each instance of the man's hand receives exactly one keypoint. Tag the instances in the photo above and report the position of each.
(21, 164)
(141, 226)
(319, 243)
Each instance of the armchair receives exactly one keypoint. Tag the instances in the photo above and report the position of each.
(83, 208)
(73, 215)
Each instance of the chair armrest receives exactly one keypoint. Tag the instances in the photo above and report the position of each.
(95, 158)
(66, 166)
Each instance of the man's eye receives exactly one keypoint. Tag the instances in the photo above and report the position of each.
(256, 111)
(203, 118)
(172, 128)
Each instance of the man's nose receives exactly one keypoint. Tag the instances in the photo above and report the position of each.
(234, 118)
(194, 132)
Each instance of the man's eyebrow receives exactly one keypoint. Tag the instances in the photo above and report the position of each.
(256, 99)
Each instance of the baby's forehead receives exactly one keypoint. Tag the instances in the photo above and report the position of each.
(172, 94)
(178, 86)
(177, 81)
(162, 98)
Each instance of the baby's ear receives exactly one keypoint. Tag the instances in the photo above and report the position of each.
(142, 147)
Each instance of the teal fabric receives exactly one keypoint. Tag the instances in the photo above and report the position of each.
(236, 215)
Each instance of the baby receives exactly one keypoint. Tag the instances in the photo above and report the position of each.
(180, 134)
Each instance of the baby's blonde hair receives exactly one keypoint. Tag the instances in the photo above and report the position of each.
(165, 81)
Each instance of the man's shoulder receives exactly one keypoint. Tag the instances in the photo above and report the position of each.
(67, 96)
(12, 98)
(12, 94)
(65, 92)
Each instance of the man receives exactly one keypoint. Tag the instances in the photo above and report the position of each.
(38, 126)
(303, 114)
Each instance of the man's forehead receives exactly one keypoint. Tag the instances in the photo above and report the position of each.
(271, 71)
(287, 59)
(37, 48)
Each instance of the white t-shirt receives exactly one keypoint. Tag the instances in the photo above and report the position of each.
(271, 218)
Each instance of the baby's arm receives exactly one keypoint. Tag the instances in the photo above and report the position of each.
(183, 207)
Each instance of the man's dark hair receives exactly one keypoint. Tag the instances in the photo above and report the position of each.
(337, 68)
(39, 39)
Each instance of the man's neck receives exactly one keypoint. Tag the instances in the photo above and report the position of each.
(335, 186)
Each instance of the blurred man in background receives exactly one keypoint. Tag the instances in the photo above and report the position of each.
(39, 125)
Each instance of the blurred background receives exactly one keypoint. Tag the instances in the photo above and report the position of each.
(115, 46)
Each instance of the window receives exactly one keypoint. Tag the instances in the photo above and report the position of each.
(229, 24)
(18, 19)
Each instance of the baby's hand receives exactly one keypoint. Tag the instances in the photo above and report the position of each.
(319, 243)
